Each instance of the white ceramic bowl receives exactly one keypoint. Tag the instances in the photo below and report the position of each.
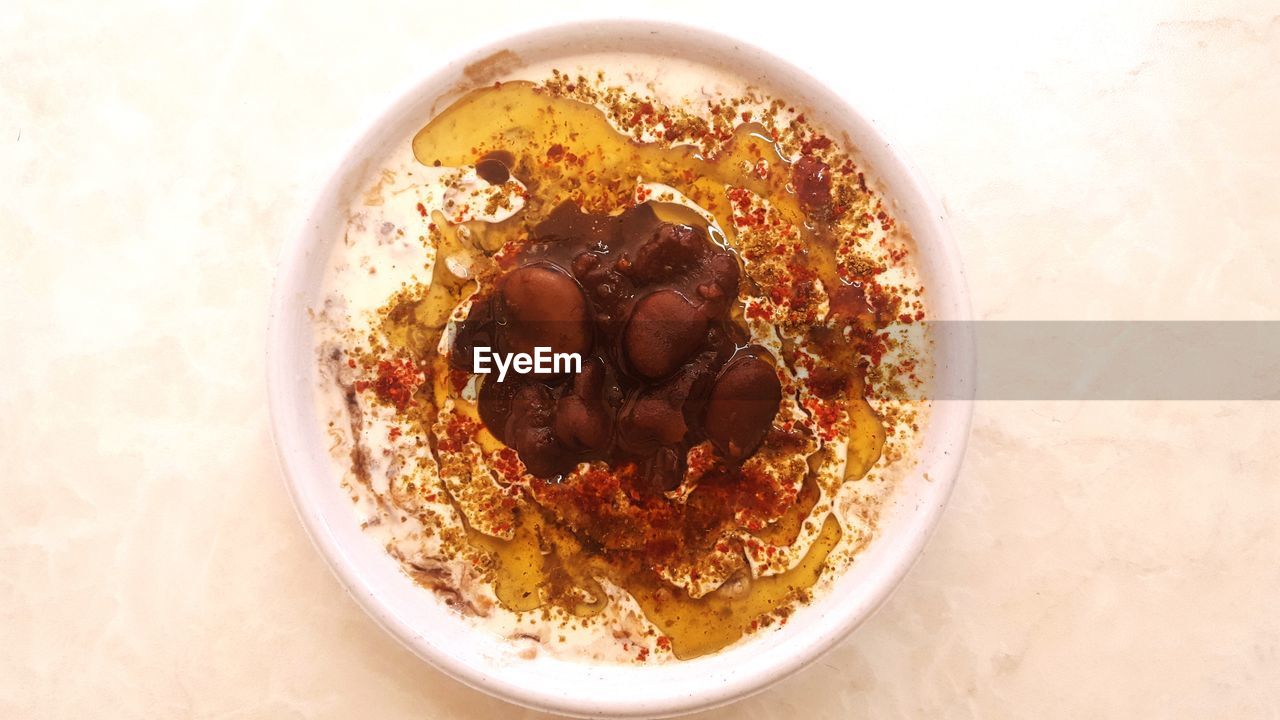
(412, 614)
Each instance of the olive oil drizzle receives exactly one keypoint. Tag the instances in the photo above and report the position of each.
(568, 150)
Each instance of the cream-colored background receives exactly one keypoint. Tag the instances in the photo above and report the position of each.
(1098, 560)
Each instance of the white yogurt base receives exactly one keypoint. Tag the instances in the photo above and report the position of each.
(383, 251)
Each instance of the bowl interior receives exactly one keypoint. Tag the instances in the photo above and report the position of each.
(431, 630)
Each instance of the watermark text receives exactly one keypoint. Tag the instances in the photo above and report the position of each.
(542, 362)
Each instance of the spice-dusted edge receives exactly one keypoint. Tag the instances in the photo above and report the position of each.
(736, 295)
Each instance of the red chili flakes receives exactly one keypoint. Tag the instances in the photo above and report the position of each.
(700, 459)
(875, 349)
(422, 210)
(755, 218)
(883, 303)
(759, 311)
(644, 110)
(827, 416)
(664, 642)
(458, 431)
(396, 382)
(508, 466)
(821, 142)
(458, 379)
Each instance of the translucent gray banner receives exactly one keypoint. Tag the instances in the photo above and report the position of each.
(1129, 360)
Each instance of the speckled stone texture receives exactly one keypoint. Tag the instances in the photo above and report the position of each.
(1115, 560)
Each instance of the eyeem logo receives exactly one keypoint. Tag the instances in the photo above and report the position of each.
(542, 361)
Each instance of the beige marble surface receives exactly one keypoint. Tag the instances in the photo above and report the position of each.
(1099, 560)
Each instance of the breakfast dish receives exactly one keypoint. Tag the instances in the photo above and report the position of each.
(617, 373)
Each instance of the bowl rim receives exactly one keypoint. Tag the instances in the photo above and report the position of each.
(832, 627)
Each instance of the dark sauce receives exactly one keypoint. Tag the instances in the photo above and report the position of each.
(646, 305)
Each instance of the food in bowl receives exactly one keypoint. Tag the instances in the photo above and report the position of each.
(737, 299)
